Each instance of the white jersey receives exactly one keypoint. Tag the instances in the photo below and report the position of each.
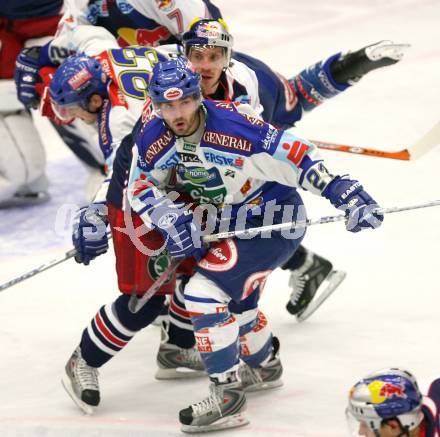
(129, 69)
(135, 22)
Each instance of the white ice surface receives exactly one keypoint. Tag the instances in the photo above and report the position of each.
(384, 314)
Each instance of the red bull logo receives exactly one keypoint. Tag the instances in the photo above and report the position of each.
(142, 37)
(165, 5)
(208, 30)
(381, 391)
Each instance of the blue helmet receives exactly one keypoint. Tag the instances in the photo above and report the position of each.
(386, 394)
(77, 78)
(173, 80)
(205, 32)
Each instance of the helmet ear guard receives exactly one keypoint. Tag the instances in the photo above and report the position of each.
(387, 394)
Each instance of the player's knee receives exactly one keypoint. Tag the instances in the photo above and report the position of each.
(203, 296)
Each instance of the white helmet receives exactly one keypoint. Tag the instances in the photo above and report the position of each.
(386, 394)
(208, 32)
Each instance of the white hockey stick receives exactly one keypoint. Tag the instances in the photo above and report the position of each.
(136, 303)
(426, 143)
(220, 236)
(248, 233)
(52, 263)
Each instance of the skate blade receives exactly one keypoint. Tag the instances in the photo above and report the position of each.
(263, 386)
(179, 373)
(234, 421)
(325, 290)
(85, 408)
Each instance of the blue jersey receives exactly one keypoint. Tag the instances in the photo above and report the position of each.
(282, 102)
(238, 161)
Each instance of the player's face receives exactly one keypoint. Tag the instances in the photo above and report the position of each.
(209, 63)
(182, 115)
(70, 112)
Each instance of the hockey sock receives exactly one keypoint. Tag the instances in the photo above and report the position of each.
(113, 326)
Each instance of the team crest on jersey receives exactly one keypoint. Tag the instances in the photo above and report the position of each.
(156, 265)
(173, 93)
(221, 257)
(165, 5)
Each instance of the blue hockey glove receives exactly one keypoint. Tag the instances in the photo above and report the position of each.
(182, 233)
(26, 76)
(90, 232)
(349, 196)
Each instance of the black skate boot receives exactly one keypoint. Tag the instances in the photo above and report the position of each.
(353, 65)
(315, 277)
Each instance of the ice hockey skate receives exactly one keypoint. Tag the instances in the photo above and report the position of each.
(175, 363)
(353, 65)
(263, 377)
(81, 382)
(223, 408)
(312, 284)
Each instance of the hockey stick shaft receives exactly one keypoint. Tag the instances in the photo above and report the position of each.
(402, 155)
(43, 267)
(247, 233)
(136, 303)
(220, 236)
(39, 269)
(426, 143)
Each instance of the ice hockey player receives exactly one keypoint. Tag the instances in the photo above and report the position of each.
(147, 23)
(388, 403)
(23, 160)
(234, 76)
(242, 166)
(150, 22)
(110, 90)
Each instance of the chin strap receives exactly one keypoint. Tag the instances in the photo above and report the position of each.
(404, 432)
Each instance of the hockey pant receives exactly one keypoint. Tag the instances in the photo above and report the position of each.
(23, 158)
(223, 336)
(222, 296)
(114, 325)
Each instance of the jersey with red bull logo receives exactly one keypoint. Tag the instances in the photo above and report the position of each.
(238, 161)
(138, 22)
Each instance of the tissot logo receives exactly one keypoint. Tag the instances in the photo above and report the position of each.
(173, 94)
